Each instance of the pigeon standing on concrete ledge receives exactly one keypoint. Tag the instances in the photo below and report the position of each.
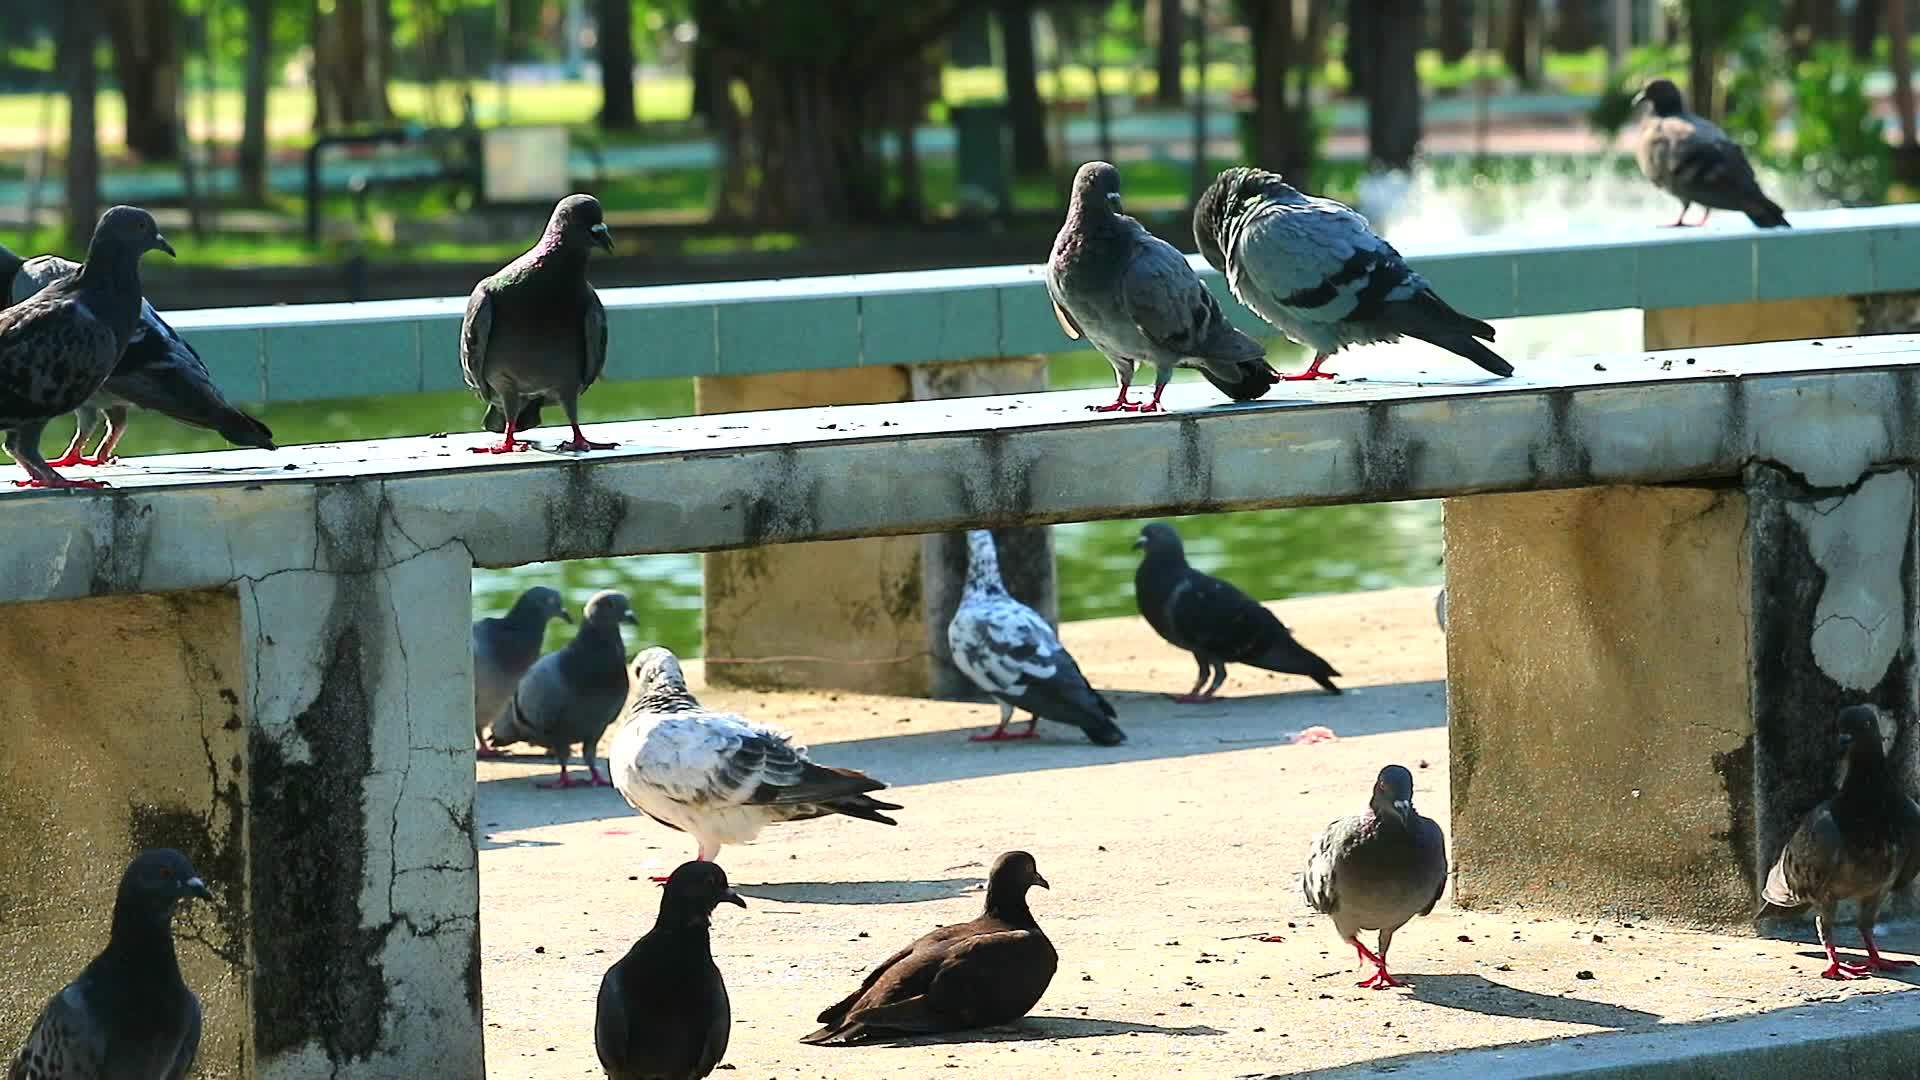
(663, 1012)
(1315, 269)
(503, 649)
(1859, 845)
(535, 333)
(1694, 161)
(1378, 870)
(572, 695)
(1214, 621)
(129, 1015)
(59, 347)
(1134, 297)
(1009, 651)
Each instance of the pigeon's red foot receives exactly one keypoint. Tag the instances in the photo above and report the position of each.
(510, 446)
(1150, 406)
(59, 482)
(582, 443)
(1122, 405)
(1002, 735)
(1194, 699)
(73, 456)
(489, 752)
(1881, 963)
(1313, 372)
(596, 780)
(1840, 972)
(565, 781)
(1379, 980)
(657, 879)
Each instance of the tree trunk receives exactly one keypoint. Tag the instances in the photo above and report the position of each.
(1573, 30)
(253, 134)
(349, 70)
(1363, 44)
(146, 58)
(1169, 62)
(1522, 38)
(1456, 30)
(79, 31)
(1703, 62)
(616, 66)
(1024, 111)
(1285, 57)
(1906, 156)
(1866, 26)
(1393, 106)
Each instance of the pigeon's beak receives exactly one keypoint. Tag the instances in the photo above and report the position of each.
(1040, 881)
(564, 617)
(1113, 201)
(196, 887)
(602, 236)
(1139, 543)
(160, 242)
(629, 617)
(734, 898)
(1638, 99)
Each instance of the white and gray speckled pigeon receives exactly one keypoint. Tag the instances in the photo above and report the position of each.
(663, 1012)
(1134, 297)
(1378, 870)
(1859, 845)
(1009, 651)
(159, 371)
(129, 1015)
(60, 346)
(535, 333)
(1316, 270)
(573, 694)
(720, 777)
(1694, 161)
(504, 648)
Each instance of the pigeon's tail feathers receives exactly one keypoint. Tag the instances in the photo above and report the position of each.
(864, 807)
(1766, 214)
(510, 725)
(1101, 727)
(1225, 342)
(1778, 896)
(1245, 382)
(1462, 345)
(242, 430)
(1289, 656)
(1771, 910)
(838, 1035)
(1433, 320)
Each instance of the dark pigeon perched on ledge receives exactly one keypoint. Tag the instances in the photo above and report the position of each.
(129, 1015)
(1214, 621)
(1859, 845)
(58, 348)
(1694, 161)
(1378, 870)
(663, 1012)
(535, 333)
(572, 695)
(503, 649)
(1316, 270)
(1134, 297)
(159, 371)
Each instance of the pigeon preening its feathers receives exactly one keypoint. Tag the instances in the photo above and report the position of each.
(1859, 845)
(1134, 297)
(1378, 870)
(990, 970)
(503, 649)
(58, 347)
(1316, 270)
(1694, 161)
(129, 1015)
(535, 333)
(663, 1012)
(1214, 621)
(573, 695)
(1009, 651)
(720, 777)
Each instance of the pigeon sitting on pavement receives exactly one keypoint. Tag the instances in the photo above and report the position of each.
(663, 1012)
(535, 333)
(503, 649)
(1214, 621)
(129, 1015)
(1009, 651)
(1315, 269)
(986, 971)
(58, 347)
(1859, 845)
(572, 695)
(1694, 161)
(1134, 297)
(159, 371)
(720, 777)
(1378, 870)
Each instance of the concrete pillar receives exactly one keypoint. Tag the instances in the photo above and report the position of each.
(865, 615)
(1642, 683)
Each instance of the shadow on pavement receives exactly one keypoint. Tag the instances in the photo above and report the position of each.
(861, 892)
(1477, 994)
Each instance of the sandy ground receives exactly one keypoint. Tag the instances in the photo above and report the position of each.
(1167, 856)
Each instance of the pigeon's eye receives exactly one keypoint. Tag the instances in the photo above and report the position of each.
(166, 872)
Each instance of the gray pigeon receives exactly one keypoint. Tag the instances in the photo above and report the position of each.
(572, 695)
(1214, 621)
(535, 333)
(10, 265)
(1134, 297)
(58, 348)
(1859, 845)
(1378, 870)
(1009, 651)
(663, 1012)
(159, 371)
(503, 649)
(129, 1015)
(1315, 269)
(1694, 161)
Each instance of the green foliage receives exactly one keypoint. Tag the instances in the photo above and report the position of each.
(1839, 143)
(1614, 108)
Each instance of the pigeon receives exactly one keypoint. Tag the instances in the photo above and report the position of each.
(990, 970)
(535, 333)
(159, 371)
(10, 265)
(1378, 870)
(1134, 297)
(718, 776)
(663, 1011)
(58, 347)
(1214, 621)
(1315, 269)
(129, 1015)
(572, 695)
(503, 649)
(1009, 651)
(1859, 845)
(1694, 161)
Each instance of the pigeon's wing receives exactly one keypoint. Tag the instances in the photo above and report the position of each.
(1212, 617)
(1433, 840)
(542, 703)
(595, 360)
(711, 760)
(1173, 308)
(190, 1045)
(48, 348)
(610, 1038)
(162, 372)
(835, 1014)
(1320, 883)
(65, 1043)
(1066, 320)
(475, 328)
(1910, 837)
(1009, 651)
(989, 978)
(39, 272)
(1317, 263)
(1808, 865)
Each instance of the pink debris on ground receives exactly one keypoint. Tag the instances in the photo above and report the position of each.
(1316, 734)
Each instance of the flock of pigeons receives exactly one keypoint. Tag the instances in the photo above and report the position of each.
(83, 339)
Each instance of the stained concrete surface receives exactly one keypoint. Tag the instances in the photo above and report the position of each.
(1167, 855)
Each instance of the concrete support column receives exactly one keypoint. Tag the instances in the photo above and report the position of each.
(865, 615)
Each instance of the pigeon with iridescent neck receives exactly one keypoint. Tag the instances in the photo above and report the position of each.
(1378, 870)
